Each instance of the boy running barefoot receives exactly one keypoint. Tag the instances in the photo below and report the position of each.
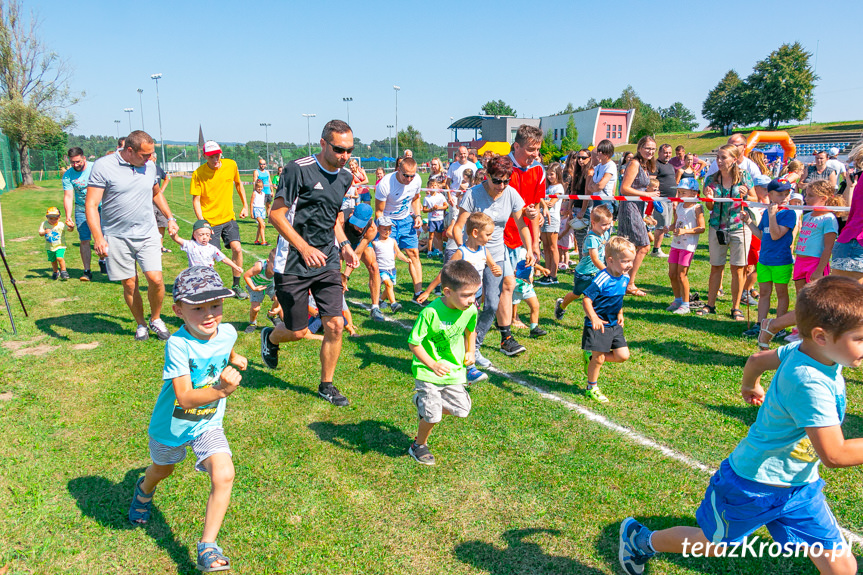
(443, 341)
(771, 477)
(602, 339)
(199, 250)
(191, 405)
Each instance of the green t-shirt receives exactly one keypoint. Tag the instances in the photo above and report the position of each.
(440, 331)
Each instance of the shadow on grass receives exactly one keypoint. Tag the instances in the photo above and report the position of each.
(689, 352)
(365, 436)
(108, 503)
(743, 412)
(518, 557)
(256, 378)
(92, 322)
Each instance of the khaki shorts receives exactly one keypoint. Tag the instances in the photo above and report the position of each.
(432, 399)
(737, 241)
(123, 253)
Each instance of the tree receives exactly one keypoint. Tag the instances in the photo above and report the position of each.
(548, 148)
(721, 107)
(677, 118)
(34, 91)
(569, 143)
(411, 139)
(781, 86)
(497, 108)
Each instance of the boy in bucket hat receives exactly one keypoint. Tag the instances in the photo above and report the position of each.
(191, 405)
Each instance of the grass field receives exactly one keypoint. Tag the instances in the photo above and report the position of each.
(525, 485)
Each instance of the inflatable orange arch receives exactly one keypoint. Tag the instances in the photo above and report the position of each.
(781, 137)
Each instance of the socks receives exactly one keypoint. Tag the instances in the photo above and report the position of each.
(534, 326)
(644, 540)
(376, 307)
(505, 332)
(236, 282)
(591, 385)
(678, 300)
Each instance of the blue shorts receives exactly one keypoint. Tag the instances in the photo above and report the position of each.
(366, 197)
(734, 507)
(83, 229)
(389, 275)
(405, 234)
(435, 226)
(259, 213)
(847, 257)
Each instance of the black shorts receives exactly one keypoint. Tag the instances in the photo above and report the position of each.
(581, 282)
(603, 341)
(293, 295)
(227, 233)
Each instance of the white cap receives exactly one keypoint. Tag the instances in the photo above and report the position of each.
(833, 152)
(211, 148)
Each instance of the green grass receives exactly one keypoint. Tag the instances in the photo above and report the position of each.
(523, 485)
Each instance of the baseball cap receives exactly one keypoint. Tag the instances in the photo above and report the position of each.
(384, 221)
(362, 215)
(689, 184)
(201, 225)
(199, 284)
(833, 152)
(53, 211)
(211, 148)
(780, 185)
(761, 181)
(795, 196)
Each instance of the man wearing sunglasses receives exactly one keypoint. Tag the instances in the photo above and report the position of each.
(745, 163)
(397, 196)
(315, 187)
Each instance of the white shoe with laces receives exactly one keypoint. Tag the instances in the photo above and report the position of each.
(160, 329)
(142, 333)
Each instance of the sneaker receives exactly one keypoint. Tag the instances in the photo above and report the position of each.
(269, 352)
(475, 376)
(674, 305)
(747, 299)
(377, 314)
(239, 292)
(329, 392)
(55, 275)
(64, 275)
(781, 334)
(251, 328)
(793, 336)
(481, 360)
(511, 347)
(547, 281)
(275, 319)
(558, 309)
(596, 395)
(142, 333)
(396, 307)
(421, 453)
(753, 331)
(87, 276)
(632, 556)
(538, 332)
(160, 329)
(682, 310)
(585, 360)
(437, 290)
(103, 266)
(414, 300)
(658, 253)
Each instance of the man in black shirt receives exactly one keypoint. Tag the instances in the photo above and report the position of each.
(317, 185)
(667, 176)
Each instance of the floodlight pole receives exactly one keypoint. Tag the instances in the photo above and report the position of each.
(118, 128)
(308, 118)
(267, 139)
(397, 88)
(141, 102)
(159, 107)
(347, 102)
(390, 138)
(129, 111)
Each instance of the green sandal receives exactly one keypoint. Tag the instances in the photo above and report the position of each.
(139, 511)
(209, 553)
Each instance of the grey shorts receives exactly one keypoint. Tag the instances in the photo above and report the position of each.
(665, 217)
(161, 220)
(123, 253)
(737, 242)
(258, 296)
(226, 233)
(205, 445)
(431, 400)
(551, 225)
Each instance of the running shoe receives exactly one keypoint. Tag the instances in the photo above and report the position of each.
(142, 333)
(414, 300)
(269, 352)
(396, 307)
(753, 331)
(251, 328)
(64, 275)
(747, 299)
(558, 309)
(421, 454)
(682, 310)
(481, 360)
(596, 395)
(103, 266)
(329, 392)
(511, 347)
(538, 332)
(547, 281)
(55, 275)
(658, 253)
(674, 305)
(377, 314)
(87, 276)
(239, 292)
(474, 375)
(632, 554)
(159, 328)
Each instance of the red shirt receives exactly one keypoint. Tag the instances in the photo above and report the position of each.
(530, 184)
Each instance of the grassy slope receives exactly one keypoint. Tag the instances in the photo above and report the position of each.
(521, 486)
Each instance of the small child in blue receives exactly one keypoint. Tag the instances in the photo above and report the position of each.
(593, 260)
(191, 405)
(602, 339)
(771, 477)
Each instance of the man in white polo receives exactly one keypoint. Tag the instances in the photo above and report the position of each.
(125, 232)
(457, 168)
(745, 163)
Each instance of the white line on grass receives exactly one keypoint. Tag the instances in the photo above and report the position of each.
(605, 422)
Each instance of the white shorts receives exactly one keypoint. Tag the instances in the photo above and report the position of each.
(205, 445)
(431, 400)
(123, 253)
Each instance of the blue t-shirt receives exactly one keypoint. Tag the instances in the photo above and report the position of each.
(204, 361)
(777, 252)
(77, 182)
(810, 241)
(264, 176)
(606, 293)
(592, 242)
(803, 393)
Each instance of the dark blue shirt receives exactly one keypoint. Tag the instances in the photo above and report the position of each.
(777, 252)
(606, 293)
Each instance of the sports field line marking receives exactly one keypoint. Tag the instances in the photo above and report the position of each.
(605, 422)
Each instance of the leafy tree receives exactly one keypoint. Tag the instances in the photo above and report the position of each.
(497, 108)
(33, 86)
(677, 118)
(570, 142)
(721, 108)
(411, 138)
(781, 86)
(570, 109)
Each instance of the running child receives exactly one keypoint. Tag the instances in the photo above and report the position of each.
(593, 260)
(435, 205)
(199, 250)
(386, 252)
(551, 224)
(259, 211)
(259, 280)
(191, 405)
(687, 226)
(524, 292)
(771, 477)
(54, 232)
(602, 339)
(443, 341)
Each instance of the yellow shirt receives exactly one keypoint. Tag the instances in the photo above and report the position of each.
(216, 188)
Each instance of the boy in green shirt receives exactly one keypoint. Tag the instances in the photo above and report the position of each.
(443, 341)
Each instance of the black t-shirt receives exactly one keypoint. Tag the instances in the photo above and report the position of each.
(667, 177)
(353, 235)
(319, 196)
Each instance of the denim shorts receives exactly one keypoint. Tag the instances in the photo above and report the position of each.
(84, 233)
(847, 257)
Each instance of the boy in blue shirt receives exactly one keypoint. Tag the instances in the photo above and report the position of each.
(771, 477)
(593, 260)
(443, 341)
(191, 405)
(602, 339)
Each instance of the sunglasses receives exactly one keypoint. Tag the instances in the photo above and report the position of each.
(499, 181)
(583, 157)
(340, 150)
(408, 177)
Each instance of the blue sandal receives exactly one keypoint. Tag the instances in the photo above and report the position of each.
(209, 553)
(139, 511)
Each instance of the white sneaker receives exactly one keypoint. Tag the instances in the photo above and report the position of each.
(481, 361)
(682, 310)
(658, 253)
(674, 305)
(160, 329)
(142, 333)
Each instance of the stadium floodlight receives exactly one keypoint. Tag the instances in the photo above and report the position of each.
(347, 102)
(129, 111)
(159, 107)
(266, 138)
(141, 102)
(118, 128)
(397, 88)
(308, 118)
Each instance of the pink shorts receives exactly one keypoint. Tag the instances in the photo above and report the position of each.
(804, 266)
(680, 257)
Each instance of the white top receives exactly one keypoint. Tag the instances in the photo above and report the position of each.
(385, 250)
(258, 199)
(430, 201)
(747, 165)
(599, 171)
(477, 259)
(686, 220)
(398, 197)
(201, 255)
(455, 171)
(554, 210)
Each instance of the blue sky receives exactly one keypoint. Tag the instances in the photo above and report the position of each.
(232, 65)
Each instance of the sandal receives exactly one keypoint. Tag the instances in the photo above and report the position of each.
(139, 511)
(209, 553)
(706, 309)
(765, 328)
(737, 315)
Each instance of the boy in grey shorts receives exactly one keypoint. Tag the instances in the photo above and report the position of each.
(191, 405)
(443, 341)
